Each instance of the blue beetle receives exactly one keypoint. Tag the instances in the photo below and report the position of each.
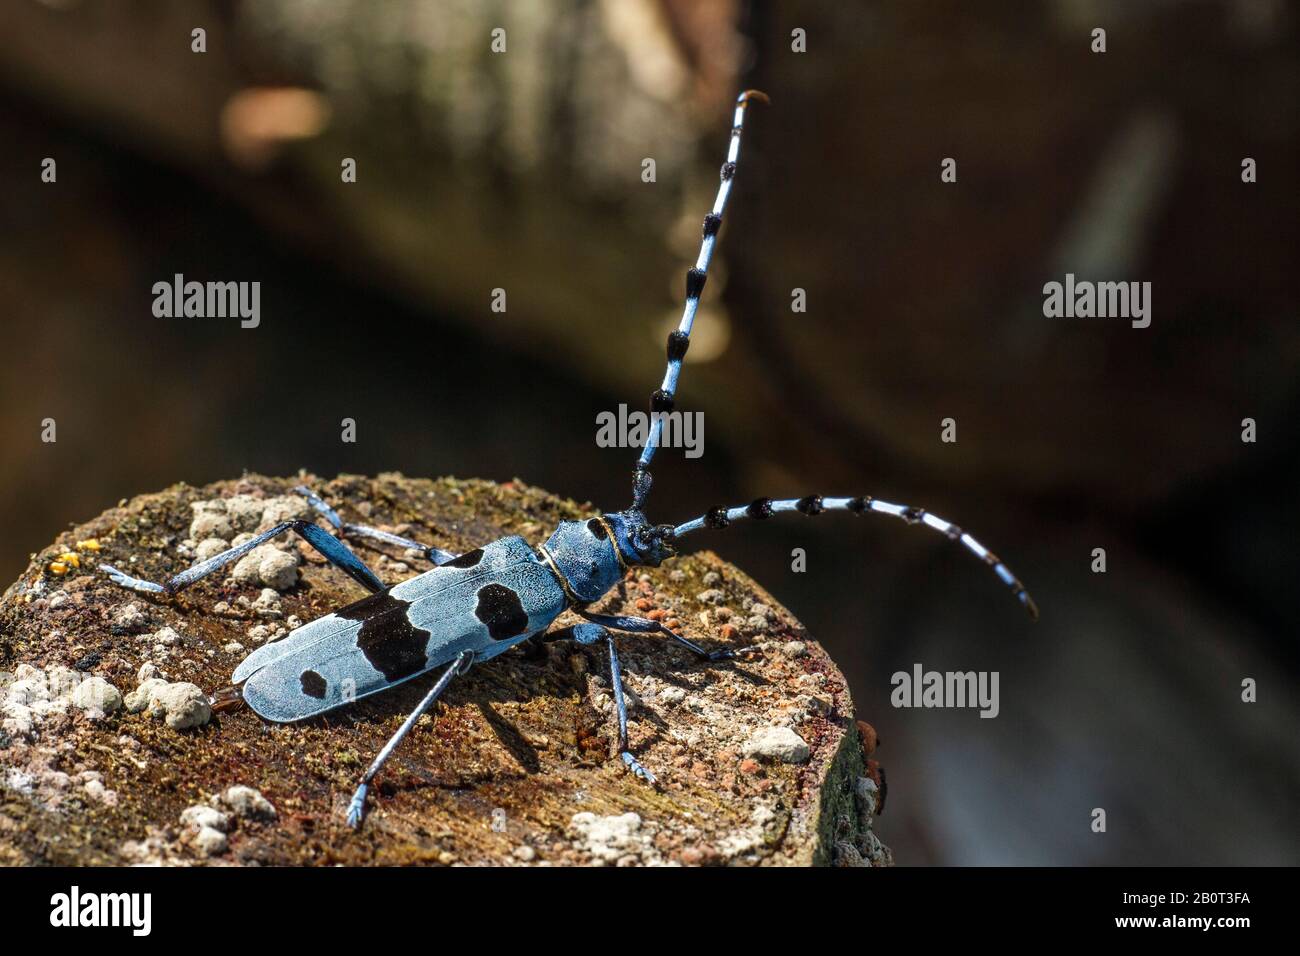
(469, 608)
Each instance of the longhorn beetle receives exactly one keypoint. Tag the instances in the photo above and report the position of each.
(471, 607)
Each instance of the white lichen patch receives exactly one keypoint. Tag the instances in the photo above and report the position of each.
(243, 514)
(269, 567)
(31, 695)
(621, 839)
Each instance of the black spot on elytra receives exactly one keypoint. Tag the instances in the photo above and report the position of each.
(392, 645)
(695, 279)
(761, 508)
(598, 529)
(466, 560)
(500, 609)
(313, 685)
(716, 518)
(712, 223)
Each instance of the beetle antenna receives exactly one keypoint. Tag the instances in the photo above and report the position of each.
(764, 508)
(661, 400)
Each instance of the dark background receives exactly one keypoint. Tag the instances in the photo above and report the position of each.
(522, 171)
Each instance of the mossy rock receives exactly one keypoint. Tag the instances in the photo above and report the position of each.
(516, 766)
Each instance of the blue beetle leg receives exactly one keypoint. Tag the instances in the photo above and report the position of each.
(357, 805)
(434, 555)
(616, 682)
(641, 625)
(590, 634)
(334, 550)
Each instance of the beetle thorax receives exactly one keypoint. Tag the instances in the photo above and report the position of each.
(586, 557)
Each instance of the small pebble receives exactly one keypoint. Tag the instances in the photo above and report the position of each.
(244, 801)
(778, 743)
(268, 566)
(201, 815)
(182, 705)
(258, 633)
(209, 548)
(268, 603)
(140, 698)
(211, 524)
(818, 704)
(96, 790)
(129, 619)
(96, 697)
(210, 841)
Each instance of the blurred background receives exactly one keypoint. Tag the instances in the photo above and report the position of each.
(522, 170)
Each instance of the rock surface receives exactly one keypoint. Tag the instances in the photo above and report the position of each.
(516, 767)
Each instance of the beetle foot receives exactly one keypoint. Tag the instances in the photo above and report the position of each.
(637, 769)
(357, 807)
(731, 654)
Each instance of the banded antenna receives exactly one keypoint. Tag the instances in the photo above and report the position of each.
(661, 400)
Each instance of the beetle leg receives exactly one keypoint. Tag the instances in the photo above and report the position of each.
(641, 625)
(338, 554)
(590, 634)
(432, 554)
(357, 805)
